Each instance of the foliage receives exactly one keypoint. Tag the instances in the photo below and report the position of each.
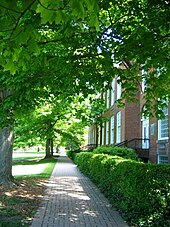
(72, 153)
(74, 135)
(140, 191)
(143, 192)
(75, 46)
(61, 120)
(64, 48)
(123, 152)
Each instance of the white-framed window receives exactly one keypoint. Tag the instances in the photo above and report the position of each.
(163, 132)
(145, 132)
(103, 134)
(107, 133)
(108, 98)
(113, 92)
(162, 159)
(119, 90)
(94, 136)
(118, 127)
(99, 130)
(112, 130)
(91, 136)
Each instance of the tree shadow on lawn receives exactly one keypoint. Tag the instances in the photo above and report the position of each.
(33, 161)
(19, 203)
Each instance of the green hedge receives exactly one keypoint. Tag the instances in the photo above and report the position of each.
(141, 192)
(71, 154)
(123, 152)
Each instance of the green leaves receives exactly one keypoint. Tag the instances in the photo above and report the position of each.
(10, 66)
(77, 8)
(70, 47)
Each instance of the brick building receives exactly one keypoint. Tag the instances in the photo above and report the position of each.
(128, 127)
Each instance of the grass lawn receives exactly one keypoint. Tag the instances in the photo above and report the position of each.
(19, 204)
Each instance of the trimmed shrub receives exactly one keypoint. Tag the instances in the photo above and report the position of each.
(83, 161)
(141, 192)
(98, 167)
(123, 152)
(71, 154)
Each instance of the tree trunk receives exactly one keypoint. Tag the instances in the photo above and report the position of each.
(48, 149)
(52, 147)
(6, 149)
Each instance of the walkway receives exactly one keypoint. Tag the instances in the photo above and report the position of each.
(72, 200)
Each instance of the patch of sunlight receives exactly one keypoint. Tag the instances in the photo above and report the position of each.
(91, 213)
(8, 194)
(1, 205)
(28, 169)
(81, 197)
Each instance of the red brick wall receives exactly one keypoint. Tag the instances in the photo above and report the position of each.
(132, 121)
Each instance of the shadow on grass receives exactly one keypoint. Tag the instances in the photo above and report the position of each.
(19, 203)
(33, 161)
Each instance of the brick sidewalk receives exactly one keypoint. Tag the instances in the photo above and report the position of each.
(72, 200)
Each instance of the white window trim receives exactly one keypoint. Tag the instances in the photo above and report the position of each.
(118, 127)
(107, 133)
(113, 93)
(112, 129)
(103, 134)
(99, 129)
(108, 98)
(159, 162)
(159, 131)
(119, 90)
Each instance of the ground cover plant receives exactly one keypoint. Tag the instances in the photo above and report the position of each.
(139, 191)
(19, 203)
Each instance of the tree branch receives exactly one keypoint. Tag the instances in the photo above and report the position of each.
(60, 8)
(21, 15)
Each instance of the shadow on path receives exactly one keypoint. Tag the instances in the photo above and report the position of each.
(71, 199)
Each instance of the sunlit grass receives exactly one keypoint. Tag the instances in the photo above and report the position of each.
(34, 168)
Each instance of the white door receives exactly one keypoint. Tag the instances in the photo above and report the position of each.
(145, 134)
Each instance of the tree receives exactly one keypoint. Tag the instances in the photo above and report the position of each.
(63, 48)
(121, 29)
(58, 121)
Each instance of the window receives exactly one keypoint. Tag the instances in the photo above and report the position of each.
(163, 126)
(107, 133)
(162, 159)
(113, 93)
(118, 90)
(108, 98)
(99, 129)
(103, 134)
(112, 130)
(91, 136)
(94, 136)
(118, 127)
(145, 132)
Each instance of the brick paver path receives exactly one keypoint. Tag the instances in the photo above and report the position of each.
(72, 200)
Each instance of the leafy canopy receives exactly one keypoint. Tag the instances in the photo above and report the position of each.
(65, 47)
